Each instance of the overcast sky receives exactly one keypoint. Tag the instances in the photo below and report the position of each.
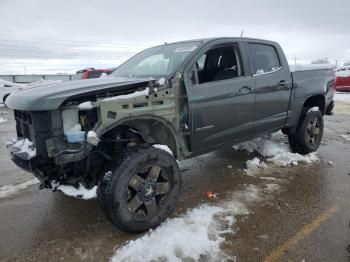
(50, 36)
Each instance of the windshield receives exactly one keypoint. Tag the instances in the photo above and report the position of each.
(156, 62)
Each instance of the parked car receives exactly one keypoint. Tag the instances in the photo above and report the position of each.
(6, 88)
(124, 133)
(89, 73)
(342, 82)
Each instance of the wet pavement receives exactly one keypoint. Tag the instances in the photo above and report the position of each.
(306, 219)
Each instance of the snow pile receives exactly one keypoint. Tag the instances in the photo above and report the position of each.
(144, 92)
(80, 192)
(275, 151)
(2, 120)
(8, 190)
(342, 97)
(194, 236)
(254, 165)
(85, 105)
(345, 137)
(180, 238)
(164, 147)
(26, 146)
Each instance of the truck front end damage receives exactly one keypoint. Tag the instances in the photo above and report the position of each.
(79, 141)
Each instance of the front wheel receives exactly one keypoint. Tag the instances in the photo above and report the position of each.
(142, 189)
(309, 133)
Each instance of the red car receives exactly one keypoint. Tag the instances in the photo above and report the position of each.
(89, 73)
(342, 82)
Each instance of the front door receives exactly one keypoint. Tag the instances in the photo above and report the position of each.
(222, 101)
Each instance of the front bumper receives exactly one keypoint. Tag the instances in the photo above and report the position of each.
(21, 158)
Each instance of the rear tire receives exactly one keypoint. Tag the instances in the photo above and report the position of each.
(309, 132)
(142, 190)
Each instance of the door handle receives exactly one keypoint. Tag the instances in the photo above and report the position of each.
(245, 89)
(283, 83)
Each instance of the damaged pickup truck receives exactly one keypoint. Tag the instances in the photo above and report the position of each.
(124, 133)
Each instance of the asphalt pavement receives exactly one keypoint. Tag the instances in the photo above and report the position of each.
(306, 217)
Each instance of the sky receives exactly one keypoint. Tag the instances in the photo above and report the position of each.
(49, 37)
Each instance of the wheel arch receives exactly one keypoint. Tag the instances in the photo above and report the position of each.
(151, 129)
(313, 100)
(316, 100)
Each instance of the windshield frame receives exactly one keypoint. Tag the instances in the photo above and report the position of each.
(190, 54)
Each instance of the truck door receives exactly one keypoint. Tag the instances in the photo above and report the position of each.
(273, 86)
(222, 100)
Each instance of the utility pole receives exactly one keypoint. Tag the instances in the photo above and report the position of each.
(295, 59)
(336, 63)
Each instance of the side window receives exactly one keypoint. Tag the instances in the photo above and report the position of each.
(265, 58)
(219, 63)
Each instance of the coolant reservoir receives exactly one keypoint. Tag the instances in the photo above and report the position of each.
(71, 126)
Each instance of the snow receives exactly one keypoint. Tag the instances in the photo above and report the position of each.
(314, 109)
(80, 192)
(307, 67)
(2, 120)
(144, 92)
(161, 81)
(85, 105)
(342, 97)
(8, 190)
(254, 165)
(345, 137)
(26, 146)
(195, 235)
(164, 147)
(275, 151)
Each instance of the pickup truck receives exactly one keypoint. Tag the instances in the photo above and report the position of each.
(124, 133)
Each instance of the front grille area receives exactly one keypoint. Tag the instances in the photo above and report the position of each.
(35, 126)
(23, 124)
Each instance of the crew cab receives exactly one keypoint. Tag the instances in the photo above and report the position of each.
(175, 101)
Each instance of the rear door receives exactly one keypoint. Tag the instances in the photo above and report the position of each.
(222, 96)
(273, 86)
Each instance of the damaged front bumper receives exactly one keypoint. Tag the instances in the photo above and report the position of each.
(23, 154)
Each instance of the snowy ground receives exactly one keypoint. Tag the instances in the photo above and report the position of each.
(8, 190)
(199, 233)
(196, 235)
(342, 97)
(272, 149)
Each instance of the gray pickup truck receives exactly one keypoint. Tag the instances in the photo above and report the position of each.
(125, 132)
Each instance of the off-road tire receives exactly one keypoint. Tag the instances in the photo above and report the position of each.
(299, 141)
(114, 189)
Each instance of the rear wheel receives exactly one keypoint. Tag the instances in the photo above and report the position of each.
(142, 189)
(309, 133)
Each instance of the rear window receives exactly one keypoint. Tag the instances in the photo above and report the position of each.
(265, 58)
